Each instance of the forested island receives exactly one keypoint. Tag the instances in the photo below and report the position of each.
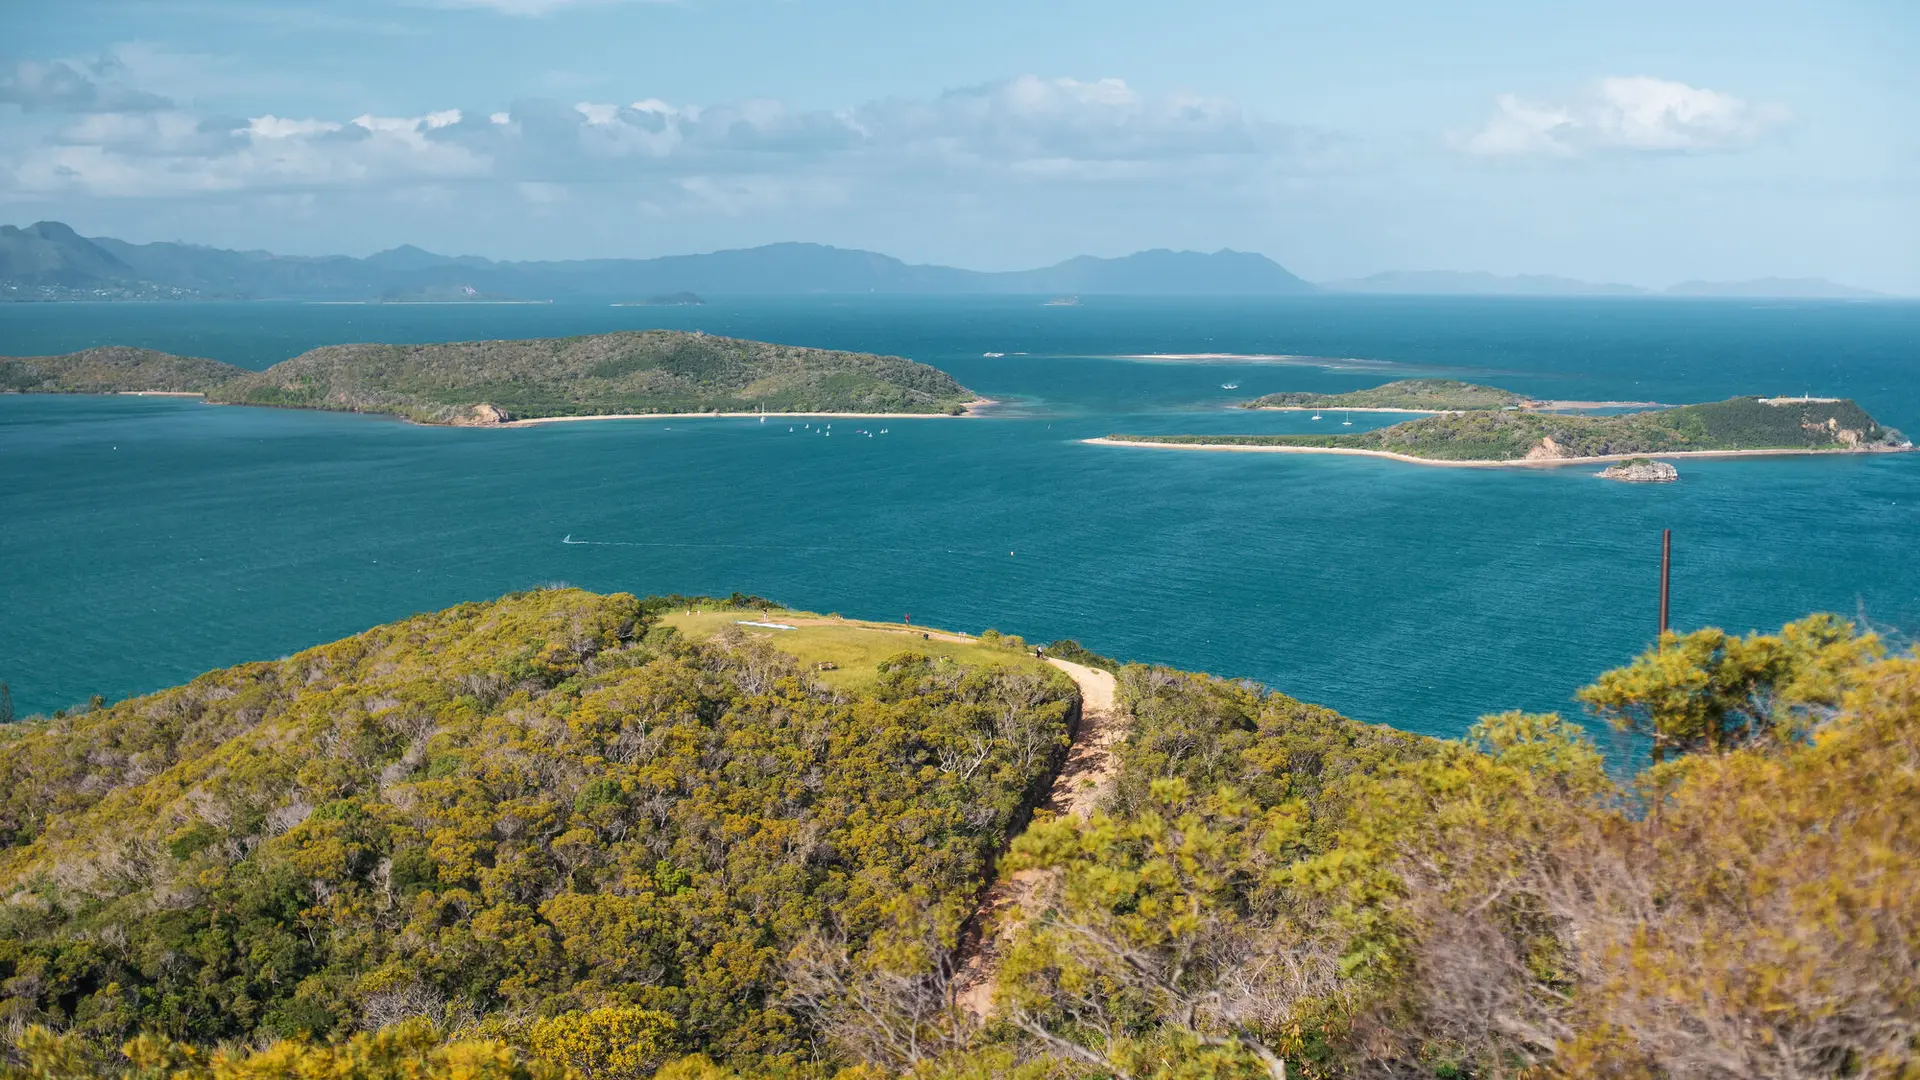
(1515, 436)
(677, 299)
(637, 373)
(114, 369)
(1410, 395)
(568, 836)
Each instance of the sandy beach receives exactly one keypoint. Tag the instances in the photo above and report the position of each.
(1534, 463)
(161, 393)
(973, 408)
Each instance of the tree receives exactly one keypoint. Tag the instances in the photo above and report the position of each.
(6, 704)
(1145, 955)
(1709, 690)
(619, 1043)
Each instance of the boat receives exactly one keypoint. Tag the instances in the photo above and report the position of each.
(991, 355)
(1229, 386)
(1348, 422)
(1316, 416)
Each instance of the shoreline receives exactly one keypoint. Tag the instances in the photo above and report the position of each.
(972, 409)
(1531, 406)
(1520, 463)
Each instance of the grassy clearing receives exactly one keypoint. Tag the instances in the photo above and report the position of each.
(854, 648)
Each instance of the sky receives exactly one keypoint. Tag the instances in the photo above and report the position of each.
(1618, 141)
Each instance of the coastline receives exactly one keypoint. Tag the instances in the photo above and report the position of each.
(1531, 406)
(972, 409)
(1523, 463)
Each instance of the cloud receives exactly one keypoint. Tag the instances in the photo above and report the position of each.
(1624, 114)
(733, 156)
(58, 87)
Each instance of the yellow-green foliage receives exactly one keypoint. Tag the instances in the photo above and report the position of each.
(1499, 906)
(622, 1043)
(404, 1052)
(581, 845)
(1711, 690)
(528, 808)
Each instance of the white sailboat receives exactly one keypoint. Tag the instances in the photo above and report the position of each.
(1348, 422)
(1316, 414)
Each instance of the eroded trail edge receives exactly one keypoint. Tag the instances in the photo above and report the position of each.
(1076, 790)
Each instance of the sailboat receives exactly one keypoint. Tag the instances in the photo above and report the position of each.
(1316, 414)
(763, 414)
(1229, 386)
(1348, 422)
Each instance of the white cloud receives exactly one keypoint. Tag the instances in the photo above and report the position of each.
(1027, 130)
(281, 127)
(1624, 114)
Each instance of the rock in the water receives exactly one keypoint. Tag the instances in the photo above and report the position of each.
(483, 415)
(1642, 471)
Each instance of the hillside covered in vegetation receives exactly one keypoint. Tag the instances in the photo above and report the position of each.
(648, 371)
(503, 812)
(1413, 395)
(113, 369)
(491, 382)
(1743, 423)
(551, 837)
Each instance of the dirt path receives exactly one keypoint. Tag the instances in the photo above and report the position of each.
(1076, 790)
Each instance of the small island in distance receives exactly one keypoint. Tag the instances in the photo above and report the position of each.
(491, 383)
(1484, 425)
(678, 299)
(1427, 396)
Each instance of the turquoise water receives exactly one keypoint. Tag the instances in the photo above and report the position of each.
(145, 540)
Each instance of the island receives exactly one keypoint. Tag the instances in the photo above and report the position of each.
(1741, 425)
(114, 369)
(1404, 395)
(679, 299)
(1429, 396)
(1640, 470)
(632, 374)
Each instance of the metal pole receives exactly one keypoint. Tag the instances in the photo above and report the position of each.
(1666, 569)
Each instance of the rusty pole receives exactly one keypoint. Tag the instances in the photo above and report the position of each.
(1666, 570)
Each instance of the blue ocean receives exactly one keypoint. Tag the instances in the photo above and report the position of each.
(144, 540)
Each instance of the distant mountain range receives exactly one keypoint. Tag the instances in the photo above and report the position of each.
(1477, 283)
(50, 261)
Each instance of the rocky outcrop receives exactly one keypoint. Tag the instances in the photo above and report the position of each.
(482, 415)
(1546, 450)
(1641, 471)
